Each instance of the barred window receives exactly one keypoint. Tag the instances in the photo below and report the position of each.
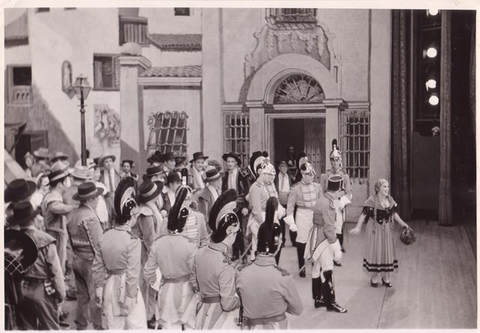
(355, 143)
(237, 134)
(168, 132)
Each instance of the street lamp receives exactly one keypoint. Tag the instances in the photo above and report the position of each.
(82, 89)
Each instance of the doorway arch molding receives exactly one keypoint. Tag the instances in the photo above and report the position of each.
(269, 76)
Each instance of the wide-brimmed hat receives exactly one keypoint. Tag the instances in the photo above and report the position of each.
(212, 175)
(232, 154)
(19, 189)
(179, 160)
(168, 156)
(197, 156)
(149, 190)
(22, 213)
(59, 171)
(153, 171)
(82, 172)
(41, 153)
(104, 156)
(14, 239)
(58, 156)
(173, 176)
(87, 190)
(155, 157)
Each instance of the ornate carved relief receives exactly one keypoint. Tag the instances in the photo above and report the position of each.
(107, 125)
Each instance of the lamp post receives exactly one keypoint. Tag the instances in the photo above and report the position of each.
(82, 89)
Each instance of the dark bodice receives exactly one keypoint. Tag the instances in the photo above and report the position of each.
(383, 215)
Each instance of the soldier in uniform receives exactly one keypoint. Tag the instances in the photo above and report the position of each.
(116, 267)
(84, 229)
(323, 247)
(266, 290)
(213, 274)
(238, 179)
(148, 227)
(345, 189)
(44, 288)
(260, 191)
(173, 254)
(304, 195)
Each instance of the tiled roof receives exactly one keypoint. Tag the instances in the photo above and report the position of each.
(17, 29)
(179, 71)
(181, 42)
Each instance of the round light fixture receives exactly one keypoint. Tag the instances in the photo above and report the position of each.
(433, 100)
(432, 12)
(431, 52)
(431, 84)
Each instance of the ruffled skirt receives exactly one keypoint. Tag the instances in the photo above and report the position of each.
(380, 248)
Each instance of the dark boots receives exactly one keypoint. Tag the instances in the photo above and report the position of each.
(301, 260)
(329, 294)
(317, 293)
(340, 239)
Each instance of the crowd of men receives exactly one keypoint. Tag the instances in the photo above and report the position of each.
(179, 248)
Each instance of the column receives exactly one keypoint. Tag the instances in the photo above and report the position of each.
(333, 107)
(257, 125)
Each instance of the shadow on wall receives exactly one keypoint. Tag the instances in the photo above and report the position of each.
(39, 118)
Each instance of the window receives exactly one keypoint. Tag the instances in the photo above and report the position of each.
(182, 11)
(299, 88)
(291, 15)
(19, 81)
(133, 29)
(42, 10)
(168, 132)
(237, 134)
(106, 72)
(355, 143)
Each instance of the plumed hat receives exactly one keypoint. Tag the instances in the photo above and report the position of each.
(269, 233)
(301, 159)
(15, 240)
(307, 167)
(177, 217)
(222, 220)
(335, 152)
(124, 200)
(256, 161)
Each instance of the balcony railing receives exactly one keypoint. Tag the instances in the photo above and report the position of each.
(133, 29)
(291, 15)
(20, 95)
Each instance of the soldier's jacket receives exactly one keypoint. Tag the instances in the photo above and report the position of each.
(213, 275)
(118, 251)
(47, 266)
(324, 217)
(267, 290)
(258, 196)
(303, 196)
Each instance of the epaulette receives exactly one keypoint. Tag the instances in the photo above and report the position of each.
(283, 271)
(245, 265)
(227, 259)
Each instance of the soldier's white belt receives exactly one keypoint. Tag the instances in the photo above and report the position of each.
(180, 279)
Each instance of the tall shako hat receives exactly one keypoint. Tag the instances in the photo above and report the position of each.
(334, 183)
(269, 233)
(222, 220)
(255, 160)
(124, 200)
(335, 152)
(16, 240)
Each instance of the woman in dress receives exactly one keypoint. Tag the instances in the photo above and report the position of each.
(380, 257)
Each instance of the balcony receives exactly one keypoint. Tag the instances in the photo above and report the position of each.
(133, 29)
(291, 17)
(20, 95)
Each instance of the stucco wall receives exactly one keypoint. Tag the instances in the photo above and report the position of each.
(73, 35)
(188, 100)
(18, 55)
(161, 58)
(164, 21)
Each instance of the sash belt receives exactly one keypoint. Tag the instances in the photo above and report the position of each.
(116, 271)
(210, 299)
(266, 321)
(179, 279)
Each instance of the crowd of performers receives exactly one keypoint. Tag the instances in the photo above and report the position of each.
(182, 248)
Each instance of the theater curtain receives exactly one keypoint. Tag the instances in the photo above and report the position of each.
(445, 203)
(400, 131)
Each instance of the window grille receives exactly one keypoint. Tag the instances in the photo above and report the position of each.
(355, 143)
(168, 132)
(237, 134)
(106, 72)
(182, 11)
(299, 88)
(133, 29)
(291, 15)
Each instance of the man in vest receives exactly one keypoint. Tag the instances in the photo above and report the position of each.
(207, 196)
(84, 230)
(196, 174)
(109, 176)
